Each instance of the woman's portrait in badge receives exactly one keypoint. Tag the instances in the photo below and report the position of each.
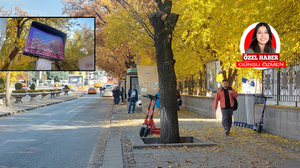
(261, 40)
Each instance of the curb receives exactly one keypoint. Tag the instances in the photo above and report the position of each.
(113, 154)
(138, 143)
(39, 106)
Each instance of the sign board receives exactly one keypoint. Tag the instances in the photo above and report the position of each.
(132, 71)
(3, 22)
(148, 81)
(76, 80)
(45, 41)
(43, 65)
(87, 63)
(212, 69)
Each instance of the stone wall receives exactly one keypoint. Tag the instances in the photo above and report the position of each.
(201, 105)
(280, 121)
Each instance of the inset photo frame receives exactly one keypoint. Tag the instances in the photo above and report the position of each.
(47, 43)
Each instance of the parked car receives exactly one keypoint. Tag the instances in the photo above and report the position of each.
(109, 86)
(108, 92)
(92, 91)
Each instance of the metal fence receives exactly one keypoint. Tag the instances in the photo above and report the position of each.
(283, 84)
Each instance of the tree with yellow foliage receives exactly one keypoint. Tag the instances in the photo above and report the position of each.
(112, 54)
(206, 30)
(11, 77)
(80, 45)
(212, 29)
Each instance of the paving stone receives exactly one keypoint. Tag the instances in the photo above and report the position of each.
(240, 149)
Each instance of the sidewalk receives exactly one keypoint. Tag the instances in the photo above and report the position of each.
(27, 105)
(113, 150)
(242, 148)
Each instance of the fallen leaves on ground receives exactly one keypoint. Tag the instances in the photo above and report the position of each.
(244, 147)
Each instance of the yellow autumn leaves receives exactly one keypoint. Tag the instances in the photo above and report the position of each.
(206, 30)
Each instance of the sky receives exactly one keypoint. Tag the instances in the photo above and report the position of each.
(42, 8)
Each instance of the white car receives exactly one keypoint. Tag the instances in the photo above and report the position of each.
(109, 86)
(107, 92)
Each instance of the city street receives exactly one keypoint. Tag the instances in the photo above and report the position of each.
(62, 135)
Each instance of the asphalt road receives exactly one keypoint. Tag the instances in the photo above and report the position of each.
(62, 135)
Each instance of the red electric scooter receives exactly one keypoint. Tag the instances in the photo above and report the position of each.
(148, 126)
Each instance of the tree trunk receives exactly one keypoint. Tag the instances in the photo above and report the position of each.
(201, 84)
(163, 23)
(8, 103)
(192, 85)
(180, 87)
(189, 85)
(11, 56)
(231, 76)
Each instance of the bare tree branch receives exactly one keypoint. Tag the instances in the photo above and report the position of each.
(100, 17)
(136, 16)
(107, 8)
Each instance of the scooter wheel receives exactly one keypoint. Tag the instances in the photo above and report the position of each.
(142, 130)
(259, 128)
(146, 132)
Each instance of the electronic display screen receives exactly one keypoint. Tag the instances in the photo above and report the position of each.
(45, 41)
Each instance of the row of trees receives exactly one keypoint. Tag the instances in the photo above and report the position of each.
(79, 44)
(212, 30)
(206, 30)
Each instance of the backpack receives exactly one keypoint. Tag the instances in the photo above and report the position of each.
(235, 106)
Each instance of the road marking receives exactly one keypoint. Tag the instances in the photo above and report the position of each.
(75, 108)
(94, 158)
(17, 140)
(46, 123)
(5, 142)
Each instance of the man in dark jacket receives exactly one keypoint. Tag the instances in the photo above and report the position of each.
(132, 98)
(116, 95)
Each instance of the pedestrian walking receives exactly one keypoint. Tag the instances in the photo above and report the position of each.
(226, 97)
(116, 95)
(121, 94)
(132, 98)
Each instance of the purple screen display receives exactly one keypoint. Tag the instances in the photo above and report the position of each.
(45, 44)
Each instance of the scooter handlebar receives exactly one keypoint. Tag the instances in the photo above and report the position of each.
(265, 97)
(151, 96)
